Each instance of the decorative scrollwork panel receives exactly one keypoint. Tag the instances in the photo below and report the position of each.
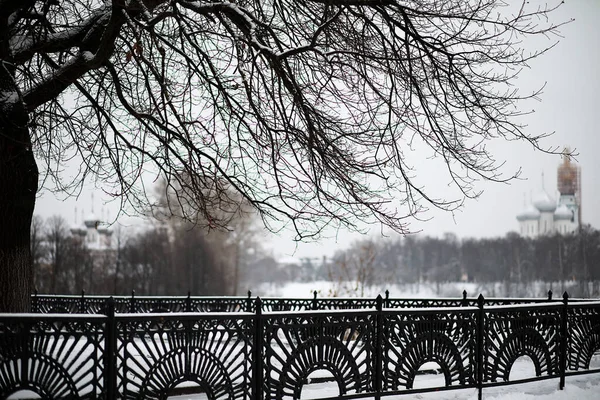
(423, 303)
(57, 304)
(55, 357)
(515, 332)
(212, 353)
(297, 345)
(272, 304)
(583, 336)
(411, 340)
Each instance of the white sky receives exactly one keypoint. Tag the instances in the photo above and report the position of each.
(569, 108)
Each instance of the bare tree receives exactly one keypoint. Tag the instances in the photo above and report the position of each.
(120, 238)
(56, 238)
(243, 240)
(66, 258)
(204, 250)
(142, 264)
(354, 270)
(38, 251)
(305, 109)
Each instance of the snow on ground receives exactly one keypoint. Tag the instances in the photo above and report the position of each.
(579, 387)
(349, 289)
(582, 387)
(409, 290)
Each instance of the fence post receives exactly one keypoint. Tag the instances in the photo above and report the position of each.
(387, 299)
(188, 302)
(132, 303)
(314, 301)
(563, 340)
(36, 307)
(257, 373)
(379, 349)
(550, 295)
(82, 302)
(249, 302)
(464, 301)
(480, 346)
(110, 345)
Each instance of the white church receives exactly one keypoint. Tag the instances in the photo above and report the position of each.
(94, 233)
(546, 216)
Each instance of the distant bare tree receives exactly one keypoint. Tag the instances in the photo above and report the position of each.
(200, 249)
(38, 251)
(307, 110)
(244, 239)
(144, 261)
(56, 240)
(354, 270)
(120, 239)
(66, 260)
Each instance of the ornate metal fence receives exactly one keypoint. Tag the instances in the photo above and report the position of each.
(85, 304)
(264, 349)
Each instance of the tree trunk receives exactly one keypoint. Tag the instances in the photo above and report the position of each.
(18, 186)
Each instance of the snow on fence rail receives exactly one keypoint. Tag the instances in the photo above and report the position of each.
(271, 348)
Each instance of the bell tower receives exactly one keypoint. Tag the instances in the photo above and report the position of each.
(569, 187)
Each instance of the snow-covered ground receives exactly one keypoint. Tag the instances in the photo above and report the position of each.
(413, 290)
(581, 387)
(350, 289)
(577, 388)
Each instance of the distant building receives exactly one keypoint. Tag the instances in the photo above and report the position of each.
(546, 216)
(95, 236)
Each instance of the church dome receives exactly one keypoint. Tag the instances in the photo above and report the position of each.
(104, 230)
(91, 221)
(544, 203)
(77, 230)
(530, 213)
(563, 213)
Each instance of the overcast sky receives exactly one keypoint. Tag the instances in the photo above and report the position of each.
(569, 107)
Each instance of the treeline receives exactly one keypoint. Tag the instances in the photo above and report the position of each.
(571, 261)
(173, 257)
(168, 258)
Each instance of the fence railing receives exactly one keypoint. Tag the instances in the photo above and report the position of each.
(86, 304)
(261, 354)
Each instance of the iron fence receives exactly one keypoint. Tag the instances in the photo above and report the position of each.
(269, 349)
(86, 304)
